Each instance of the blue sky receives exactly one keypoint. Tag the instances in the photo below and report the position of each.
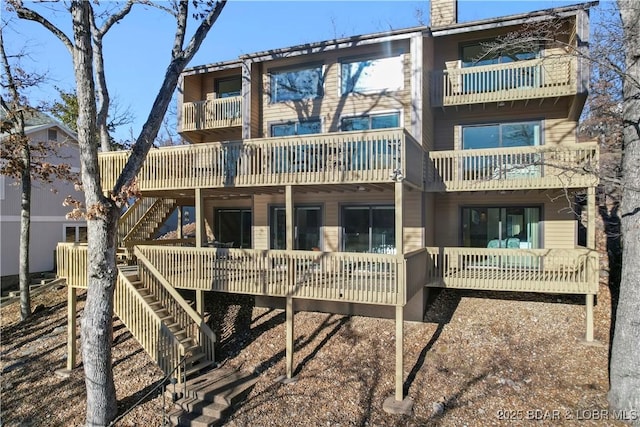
(138, 49)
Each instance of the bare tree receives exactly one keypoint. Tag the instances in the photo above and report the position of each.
(624, 373)
(24, 159)
(103, 212)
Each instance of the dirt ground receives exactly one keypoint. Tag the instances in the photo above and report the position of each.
(479, 359)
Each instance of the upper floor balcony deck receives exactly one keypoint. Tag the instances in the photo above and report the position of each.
(211, 114)
(371, 157)
(513, 168)
(514, 81)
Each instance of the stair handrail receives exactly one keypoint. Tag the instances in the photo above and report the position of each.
(124, 281)
(193, 314)
(125, 223)
(143, 219)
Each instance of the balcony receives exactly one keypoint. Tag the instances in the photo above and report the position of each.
(522, 80)
(515, 168)
(569, 271)
(380, 156)
(328, 276)
(211, 114)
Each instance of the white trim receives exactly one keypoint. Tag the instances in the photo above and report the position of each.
(37, 218)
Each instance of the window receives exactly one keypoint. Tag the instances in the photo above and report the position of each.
(52, 135)
(515, 227)
(372, 75)
(476, 54)
(296, 128)
(293, 85)
(523, 134)
(233, 226)
(308, 221)
(75, 233)
(229, 87)
(369, 229)
(371, 121)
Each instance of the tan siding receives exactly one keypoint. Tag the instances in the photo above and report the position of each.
(559, 225)
(413, 234)
(256, 104)
(427, 112)
(331, 107)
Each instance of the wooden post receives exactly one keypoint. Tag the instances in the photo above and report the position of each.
(399, 194)
(179, 228)
(71, 327)
(289, 212)
(200, 231)
(589, 317)
(200, 310)
(399, 353)
(290, 315)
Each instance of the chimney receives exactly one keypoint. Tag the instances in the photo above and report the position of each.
(444, 12)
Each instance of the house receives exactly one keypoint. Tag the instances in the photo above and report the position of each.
(48, 223)
(353, 175)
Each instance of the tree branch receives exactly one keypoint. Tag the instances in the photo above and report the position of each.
(31, 15)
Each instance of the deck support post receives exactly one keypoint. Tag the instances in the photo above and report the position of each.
(397, 404)
(200, 231)
(200, 311)
(399, 194)
(71, 327)
(179, 228)
(289, 378)
(589, 317)
(290, 224)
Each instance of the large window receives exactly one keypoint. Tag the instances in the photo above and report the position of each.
(229, 87)
(296, 128)
(516, 227)
(371, 121)
(296, 84)
(307, 224)
(522, 134)
(487, 52)
(369, 229)
(75, 233)
(233, 227)
(372, 75)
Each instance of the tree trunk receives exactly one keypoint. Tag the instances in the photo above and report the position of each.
(624, 394)
(25, 228)
(102, 218)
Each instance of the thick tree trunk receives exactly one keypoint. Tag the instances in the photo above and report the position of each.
(624, 394)
(102, 218)
(25, 229)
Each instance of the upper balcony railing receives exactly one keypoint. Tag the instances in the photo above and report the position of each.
(332, 158)
(521, 80)
(515, 168)
(212, 114)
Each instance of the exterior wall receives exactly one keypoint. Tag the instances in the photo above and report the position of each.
(427, 111)
(557, 128)
(47, 215)
(558, 221)
(332, 106)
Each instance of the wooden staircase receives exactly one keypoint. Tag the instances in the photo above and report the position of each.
(143, 219)
(206, 400)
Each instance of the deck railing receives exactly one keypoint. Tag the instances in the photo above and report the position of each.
(546, 166)
(330, 158)
(331, 276)
(536, 78)
(573, 271)
(212, 114)
(71, 263)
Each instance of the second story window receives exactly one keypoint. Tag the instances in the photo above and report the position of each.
(371, 121)
(489, 52)
(296, 84)
(296, 128)
(228, 87)
(52, 135)
(372, 75)
(522, 134)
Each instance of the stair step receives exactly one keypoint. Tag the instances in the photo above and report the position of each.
(198, 367)
(224, 390)
(194, 358)
(183, 418)
(199, 406)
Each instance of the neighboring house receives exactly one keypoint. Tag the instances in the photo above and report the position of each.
(352, 175)
(48, 223)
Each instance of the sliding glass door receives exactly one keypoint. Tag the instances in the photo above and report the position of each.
(516, 227)
(368, 229)
(233, 227)
(308, 221)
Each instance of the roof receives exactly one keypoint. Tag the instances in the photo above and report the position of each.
(36, 121)
(357, 40)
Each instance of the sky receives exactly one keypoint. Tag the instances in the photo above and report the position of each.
(138, 49)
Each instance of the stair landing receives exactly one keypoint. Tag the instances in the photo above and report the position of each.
(209, 397)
